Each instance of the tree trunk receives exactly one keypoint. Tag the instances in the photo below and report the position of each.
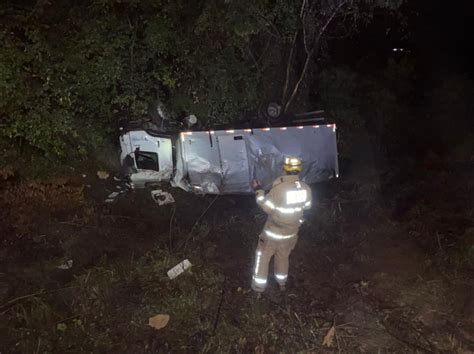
(313, 53)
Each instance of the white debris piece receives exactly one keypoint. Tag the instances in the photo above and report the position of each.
(162, 198)
(65, 266)
(103, 174)
(111, 197)
(178, 269)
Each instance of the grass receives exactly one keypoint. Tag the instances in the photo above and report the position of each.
(109, 304)
(106, 309)
(105, 306)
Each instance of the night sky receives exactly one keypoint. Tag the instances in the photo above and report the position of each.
(444, 31)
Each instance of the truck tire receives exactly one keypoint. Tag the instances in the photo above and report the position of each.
(270, 112)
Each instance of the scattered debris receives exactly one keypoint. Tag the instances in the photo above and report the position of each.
(178, 269)
(159, 321)
(162, 198)
(146, 177)
(61, 327)
(103, 174)
(65, 266)
(329, 337)
(362, 287)
(111, 197)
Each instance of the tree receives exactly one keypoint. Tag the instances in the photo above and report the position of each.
(68, 67)
(316, 21)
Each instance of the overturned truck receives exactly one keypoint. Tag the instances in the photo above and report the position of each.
(226, 161)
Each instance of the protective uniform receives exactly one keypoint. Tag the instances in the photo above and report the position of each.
(284, 204)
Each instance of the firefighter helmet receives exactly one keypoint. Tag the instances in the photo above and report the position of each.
(292, 164)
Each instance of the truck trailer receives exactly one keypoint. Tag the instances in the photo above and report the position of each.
(226, 161)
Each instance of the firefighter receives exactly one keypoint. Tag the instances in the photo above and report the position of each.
(284, 204)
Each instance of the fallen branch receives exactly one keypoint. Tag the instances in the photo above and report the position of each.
(439, 242)
(66, 319)
(197, 222)
(76, 224)
(171, 225)
(218, 313)
(20, 298)
(121, 217)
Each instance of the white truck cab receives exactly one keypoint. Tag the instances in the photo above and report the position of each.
(148, 154)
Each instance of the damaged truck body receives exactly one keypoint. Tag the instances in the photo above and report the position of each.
(226, 161)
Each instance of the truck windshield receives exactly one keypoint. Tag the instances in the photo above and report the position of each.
(147, 160)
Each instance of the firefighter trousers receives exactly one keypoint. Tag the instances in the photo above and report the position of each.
(266, 249)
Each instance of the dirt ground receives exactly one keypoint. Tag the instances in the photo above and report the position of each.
(384, 263)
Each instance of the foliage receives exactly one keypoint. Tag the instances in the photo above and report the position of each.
(24, 206)
(317, 20)
(400, 117)
(62, 81)
(379, 103)
(68, 68)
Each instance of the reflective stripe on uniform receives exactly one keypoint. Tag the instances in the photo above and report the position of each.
(278, 236)
(307, 204)
(259, 280)
(288, 210)
(282, 210)
(281, 276)
(257, 261)
(270, 204)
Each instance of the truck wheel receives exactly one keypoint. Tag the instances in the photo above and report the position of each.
(270, 112)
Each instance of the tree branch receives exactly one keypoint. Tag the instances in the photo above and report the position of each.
(262, 54)
(133, 31)
(277, 33)
(290, 56)
(288, 67)
(310, 55)
(303, 25)
(255, 62)
(257, 16)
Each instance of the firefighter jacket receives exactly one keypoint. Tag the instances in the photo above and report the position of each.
(284, 204)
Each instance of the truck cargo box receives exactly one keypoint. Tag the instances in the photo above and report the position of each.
(225, 162)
